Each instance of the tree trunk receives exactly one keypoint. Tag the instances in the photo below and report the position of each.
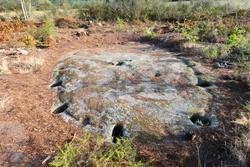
(24, 10)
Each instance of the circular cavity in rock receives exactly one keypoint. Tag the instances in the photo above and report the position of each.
(61, 108)
(118, 132)
(157, 74)
(57, 83)
(189, 136)
(86, 121)
(204, 83)
(200, 120)
(120, 63)
(133, 93)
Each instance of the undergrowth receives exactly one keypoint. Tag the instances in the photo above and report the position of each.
(245, 117)
(43, 34)
(148, 34)
(92, 150)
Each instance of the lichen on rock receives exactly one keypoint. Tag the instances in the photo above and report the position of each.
(142, 90)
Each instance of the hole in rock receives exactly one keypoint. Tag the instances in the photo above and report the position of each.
(120, 63)
(61, 108)
(189, 136)
(56, 83)
(158, 74)
(118, 132)
(204, 83)
(200, 120)
(86, 121)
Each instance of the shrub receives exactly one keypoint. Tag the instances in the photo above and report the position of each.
(236, 38)
(67, 22)
(210, 52)
(92, 150)
(212, 32)
(190, 34)
(44, 33)
(120, 25)
(148, 34)
(28, 40)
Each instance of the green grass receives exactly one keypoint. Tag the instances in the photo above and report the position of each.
(92, 150)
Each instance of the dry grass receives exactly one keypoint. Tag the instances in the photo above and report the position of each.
(4, 66)
(5, 101)
(244, 120)
(8, 28)
(245, 117)
(28, 64)
(24, 64)
(240, 148)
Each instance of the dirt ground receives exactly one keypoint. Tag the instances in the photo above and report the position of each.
(29, 133)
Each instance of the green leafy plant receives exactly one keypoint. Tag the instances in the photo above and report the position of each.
(236, 38)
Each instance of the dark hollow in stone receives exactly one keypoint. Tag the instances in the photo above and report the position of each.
(196, 72)
(191, 65)
(118, 132)
(200, 120)
(56, 83)
(203, 83)
(158, 74)
(86, 121)
(61, 108)
(120, 63)
(189, 136)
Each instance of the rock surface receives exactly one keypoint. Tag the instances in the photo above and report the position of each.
(140, 88)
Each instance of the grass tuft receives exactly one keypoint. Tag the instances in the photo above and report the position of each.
(92, 150)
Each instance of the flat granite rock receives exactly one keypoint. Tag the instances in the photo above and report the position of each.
(142, 91)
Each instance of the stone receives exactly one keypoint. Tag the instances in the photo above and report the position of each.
(146, 91)
(16, 158)
(12, 132)
(22, 51)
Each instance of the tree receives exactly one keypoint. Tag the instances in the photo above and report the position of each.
(26, 13)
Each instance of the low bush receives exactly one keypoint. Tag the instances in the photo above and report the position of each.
(120, 25)
(67, 22)
(28, 40)
(148, 34)
(210, 52)
(44, 33)
(92, 150)
(237, 37)
(150, 9)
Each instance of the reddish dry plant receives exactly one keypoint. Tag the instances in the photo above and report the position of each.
(10, 27)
